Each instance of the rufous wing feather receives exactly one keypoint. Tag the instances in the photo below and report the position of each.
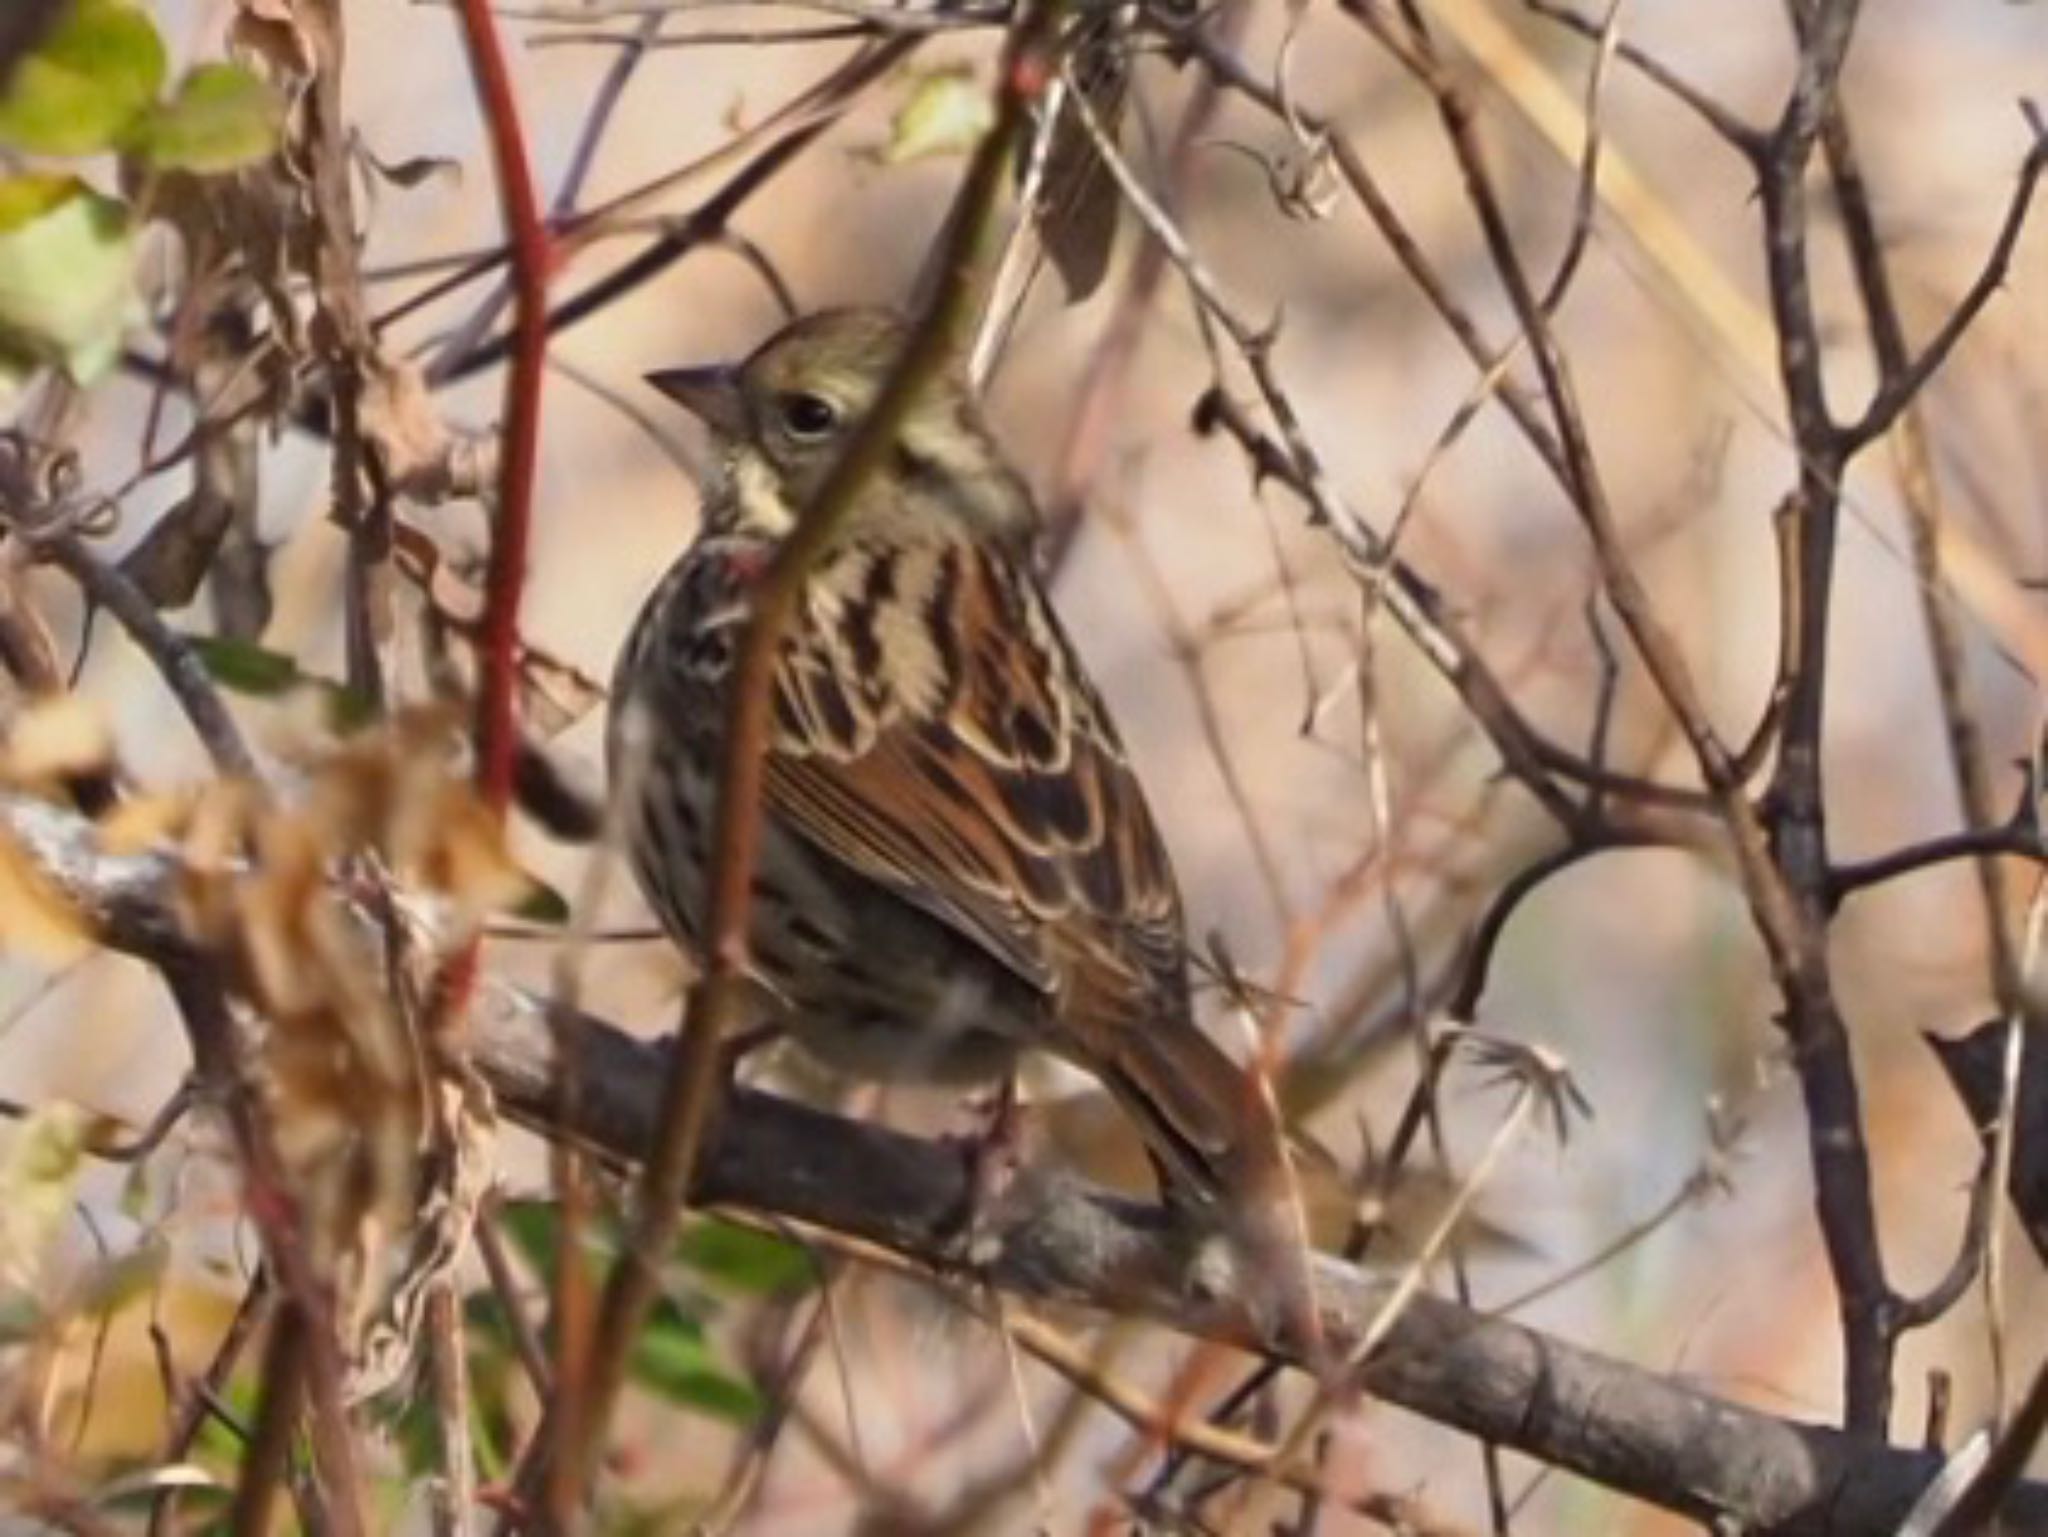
(998, 800)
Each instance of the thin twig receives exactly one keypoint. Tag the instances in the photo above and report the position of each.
(877, 18)
(1639, 1431)
(176, 662)
(201, 1399)
(1244, 1453)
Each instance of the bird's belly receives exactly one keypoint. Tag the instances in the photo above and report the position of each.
(881, 1048)
(876, 988)
(867, 983)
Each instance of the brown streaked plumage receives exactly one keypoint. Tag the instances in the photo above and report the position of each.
(957, 860)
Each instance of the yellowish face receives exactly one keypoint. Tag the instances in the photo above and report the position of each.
(801, 395)
(783, 416)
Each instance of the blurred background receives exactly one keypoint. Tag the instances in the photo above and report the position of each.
(1273, 720)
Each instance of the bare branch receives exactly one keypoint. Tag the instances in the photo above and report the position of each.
(1903, 382)
(1057, 1240)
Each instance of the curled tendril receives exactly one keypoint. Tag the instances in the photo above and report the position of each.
(1302, 179)
(42, 491)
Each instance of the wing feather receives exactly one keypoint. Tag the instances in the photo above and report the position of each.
(996, 798)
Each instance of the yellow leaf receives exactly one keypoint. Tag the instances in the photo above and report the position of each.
(36, 919)
(37, 1173)
(57, 738)
(112, 1375)
(946, 113)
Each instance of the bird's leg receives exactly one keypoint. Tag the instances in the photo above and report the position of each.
(990, 1148)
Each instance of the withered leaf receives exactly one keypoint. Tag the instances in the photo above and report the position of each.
(1079, 202)
(272, 30)
(421, 457)
(553, 694)
(171, 560)
(142, 822)
(413, 171)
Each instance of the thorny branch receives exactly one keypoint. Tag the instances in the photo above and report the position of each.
(1058, 1241)
(1779, 846)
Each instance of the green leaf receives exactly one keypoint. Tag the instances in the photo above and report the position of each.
(535, 1228)
(415, 1427)
(672, 1360)
(243, 667)
(946, 113)
(96, 72)
(222, 117)
(221, 1437)
(21, 1318)
(246, 667)
(543, 904)
(25, 199)
(745, 1259)
(67, 286)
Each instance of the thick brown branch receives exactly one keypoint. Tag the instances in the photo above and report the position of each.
(1058, 1240)
(1054, 1239)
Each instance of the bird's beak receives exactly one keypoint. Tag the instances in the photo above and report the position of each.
(712, 395)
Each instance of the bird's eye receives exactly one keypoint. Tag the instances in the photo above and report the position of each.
(808, 416)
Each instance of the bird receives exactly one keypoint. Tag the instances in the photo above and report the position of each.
(957, 862)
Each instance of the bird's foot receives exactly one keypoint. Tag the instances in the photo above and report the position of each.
(990, 1151)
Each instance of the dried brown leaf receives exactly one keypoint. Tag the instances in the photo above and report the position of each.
(1079, 204)
(467, 859)
(422, 459)
(455, 600)
(172, 559)
(143, 822)
(272, 31)
(415, 170)
(27, 650)
(553, 694)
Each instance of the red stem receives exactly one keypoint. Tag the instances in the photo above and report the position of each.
(531, 258)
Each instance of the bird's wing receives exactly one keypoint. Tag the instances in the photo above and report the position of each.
(975, 774)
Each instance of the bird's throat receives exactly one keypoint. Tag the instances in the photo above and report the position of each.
(762, 501)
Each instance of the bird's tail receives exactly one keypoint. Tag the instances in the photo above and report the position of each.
(1215, 1136)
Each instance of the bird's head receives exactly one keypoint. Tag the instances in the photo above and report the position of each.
(781, 418)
